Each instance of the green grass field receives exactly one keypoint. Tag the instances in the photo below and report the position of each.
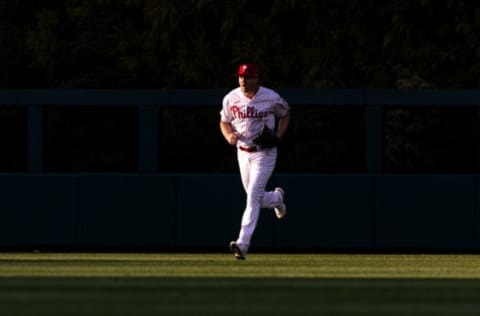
(216, 284)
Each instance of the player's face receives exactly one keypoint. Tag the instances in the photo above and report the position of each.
(248, 84)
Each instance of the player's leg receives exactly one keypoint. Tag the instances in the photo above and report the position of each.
(244, 167)
(262, 165)
(272, 199)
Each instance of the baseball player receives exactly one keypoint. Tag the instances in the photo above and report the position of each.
(248, 121)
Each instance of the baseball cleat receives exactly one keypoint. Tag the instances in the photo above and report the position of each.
(281, 209)
(235, 249)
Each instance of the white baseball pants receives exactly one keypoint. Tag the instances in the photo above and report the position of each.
(255, 171)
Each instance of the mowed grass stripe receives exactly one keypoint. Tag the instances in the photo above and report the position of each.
(216, 284)
(223, 265)
(232, 296)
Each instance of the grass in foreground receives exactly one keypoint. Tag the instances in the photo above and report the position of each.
(216, 284)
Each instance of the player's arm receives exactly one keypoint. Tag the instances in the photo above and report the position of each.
(227, 133)
(283, 125)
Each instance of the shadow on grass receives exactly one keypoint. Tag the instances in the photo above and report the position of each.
(237, 296)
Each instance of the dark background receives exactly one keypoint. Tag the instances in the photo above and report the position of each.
(133, 44)
(198, 44)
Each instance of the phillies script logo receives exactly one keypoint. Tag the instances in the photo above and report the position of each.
(250, 112)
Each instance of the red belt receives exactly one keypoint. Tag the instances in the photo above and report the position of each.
(248, 149)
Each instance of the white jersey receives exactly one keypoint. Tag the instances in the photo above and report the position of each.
(249, 116)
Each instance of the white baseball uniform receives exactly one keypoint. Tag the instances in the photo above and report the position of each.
(247, 117)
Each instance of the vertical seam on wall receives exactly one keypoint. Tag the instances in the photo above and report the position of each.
(475, 212)
(175, 211)
(76, 211)
(374, 212)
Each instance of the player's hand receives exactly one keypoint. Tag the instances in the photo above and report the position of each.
(232, 138)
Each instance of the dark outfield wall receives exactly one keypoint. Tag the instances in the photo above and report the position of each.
(334, 212)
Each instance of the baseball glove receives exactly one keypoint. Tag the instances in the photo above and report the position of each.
(267, 139)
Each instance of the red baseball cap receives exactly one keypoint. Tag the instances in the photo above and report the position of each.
(248, 70)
